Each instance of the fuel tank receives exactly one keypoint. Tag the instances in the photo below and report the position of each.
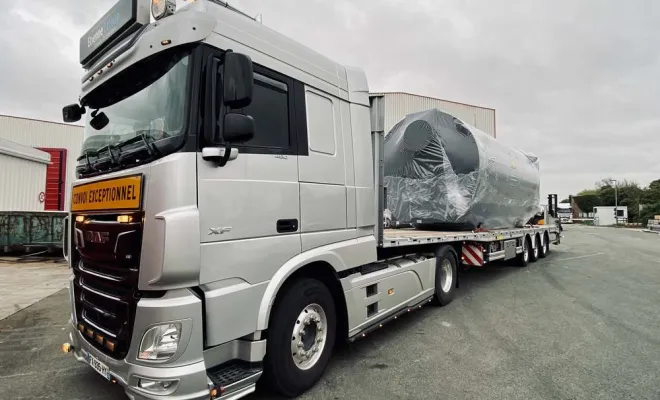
(441, 173)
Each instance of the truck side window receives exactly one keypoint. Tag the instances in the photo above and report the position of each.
(270, 110)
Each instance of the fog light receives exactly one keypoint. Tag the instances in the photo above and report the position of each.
(160, 342)
(156, 386)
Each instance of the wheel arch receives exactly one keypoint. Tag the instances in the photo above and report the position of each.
(322, 267)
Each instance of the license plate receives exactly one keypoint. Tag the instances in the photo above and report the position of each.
(98, 366)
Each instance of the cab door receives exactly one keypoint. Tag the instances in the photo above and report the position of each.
(249, 209)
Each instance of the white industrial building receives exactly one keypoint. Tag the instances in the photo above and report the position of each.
(61, 142)
(400, 104)
(23, 168)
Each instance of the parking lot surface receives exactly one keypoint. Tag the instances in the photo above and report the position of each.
(24, 283)
(583, 323)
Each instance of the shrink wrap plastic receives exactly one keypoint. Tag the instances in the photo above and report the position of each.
(441, 173)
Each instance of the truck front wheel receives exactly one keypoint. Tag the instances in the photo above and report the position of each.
(301, 336)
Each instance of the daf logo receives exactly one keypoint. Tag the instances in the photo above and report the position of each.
(97, 237)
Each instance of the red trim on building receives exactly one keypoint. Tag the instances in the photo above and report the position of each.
(55, 179)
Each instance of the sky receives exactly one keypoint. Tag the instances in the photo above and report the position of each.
(574, 82)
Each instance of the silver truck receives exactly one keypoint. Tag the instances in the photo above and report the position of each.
(227, 221)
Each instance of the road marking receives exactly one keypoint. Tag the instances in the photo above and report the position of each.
(578, 257)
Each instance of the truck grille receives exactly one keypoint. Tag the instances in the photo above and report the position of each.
(106, 268)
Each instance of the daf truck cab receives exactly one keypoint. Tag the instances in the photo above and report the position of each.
(226, 178)
(226, 223)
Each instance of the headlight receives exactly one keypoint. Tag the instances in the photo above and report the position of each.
(162, 8)
(160, 342)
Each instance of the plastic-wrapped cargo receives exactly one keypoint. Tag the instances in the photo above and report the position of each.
(441, 173)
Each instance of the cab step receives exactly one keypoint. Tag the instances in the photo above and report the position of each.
(235, 379)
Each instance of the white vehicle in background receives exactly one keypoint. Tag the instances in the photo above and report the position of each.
(565, 213)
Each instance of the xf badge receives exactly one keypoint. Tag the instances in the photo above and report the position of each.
(219, 230)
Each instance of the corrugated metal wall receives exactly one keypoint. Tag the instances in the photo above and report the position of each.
(398, 105)
(22, 177)
(37, 133)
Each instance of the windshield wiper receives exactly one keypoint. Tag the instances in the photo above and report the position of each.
(88, 165)
(114, 151)
(143, 136)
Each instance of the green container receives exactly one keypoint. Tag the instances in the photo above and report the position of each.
(31, 228)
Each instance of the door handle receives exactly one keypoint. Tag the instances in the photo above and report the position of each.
(287, 225)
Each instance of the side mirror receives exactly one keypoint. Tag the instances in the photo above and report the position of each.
(72, 113)
(238, 80)
(238, 128)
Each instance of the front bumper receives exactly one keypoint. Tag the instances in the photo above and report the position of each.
(192, 379)
(192, 384)
(187, 366)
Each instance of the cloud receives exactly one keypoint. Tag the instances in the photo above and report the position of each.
(574, 82)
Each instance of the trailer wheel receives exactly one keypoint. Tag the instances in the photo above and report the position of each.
(301, 336)
(446, 274)
(545, 248)
(536, 251)
(523, 258)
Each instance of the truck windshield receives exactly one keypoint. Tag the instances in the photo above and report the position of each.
(145, 107)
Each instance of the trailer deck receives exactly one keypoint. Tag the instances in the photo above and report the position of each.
(411, 236)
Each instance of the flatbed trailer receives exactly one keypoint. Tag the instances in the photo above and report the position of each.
(492, 245)
(475, 248)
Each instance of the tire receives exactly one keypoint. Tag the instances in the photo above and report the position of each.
(285, 371)
(536, 251)
(446, 274)
(524, 257)
(545, 248)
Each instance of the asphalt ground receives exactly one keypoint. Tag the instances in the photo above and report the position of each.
(583, 323)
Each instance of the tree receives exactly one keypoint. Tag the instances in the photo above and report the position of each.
(648, 212)
(587, 202)
(587, 192)
(627, 193)
(652, 194)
